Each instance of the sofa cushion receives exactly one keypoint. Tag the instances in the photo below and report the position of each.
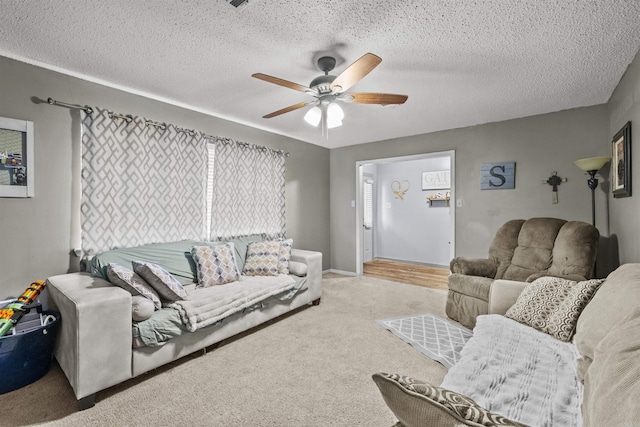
(535, 248)
(175, 257)
(262, 259)
(616, 299)
(132, 282)
(418, 403)
(552, 305)
(613, 380)
(216, 264)
(161, 280)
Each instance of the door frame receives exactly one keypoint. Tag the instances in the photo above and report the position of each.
(360, 210)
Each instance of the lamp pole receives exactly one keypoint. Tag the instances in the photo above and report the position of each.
(592, 182)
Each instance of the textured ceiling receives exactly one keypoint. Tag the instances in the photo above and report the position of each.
(461, 62)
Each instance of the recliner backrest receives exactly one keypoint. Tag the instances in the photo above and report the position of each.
(575, 250)
(534, 253)
(552, 246)
(503, 245)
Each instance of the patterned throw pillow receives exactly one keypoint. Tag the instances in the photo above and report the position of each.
(263, 259)
(131, 282)
(552, 305)
(417, 403)
(161, 280)
(216, 264)
(284, 256)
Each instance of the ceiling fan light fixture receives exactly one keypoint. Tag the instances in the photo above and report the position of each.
(313, 116)
(334, 115)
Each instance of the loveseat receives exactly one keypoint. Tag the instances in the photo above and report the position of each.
(99, 345)
(522, 250)
(510, 373)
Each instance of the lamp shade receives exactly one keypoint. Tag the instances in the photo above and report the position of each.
(334, 115)
(592, 163)
(313, 116)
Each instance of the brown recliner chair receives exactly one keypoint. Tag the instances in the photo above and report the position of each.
(522, 250)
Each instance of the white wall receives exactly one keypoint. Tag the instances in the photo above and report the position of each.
(409, 229)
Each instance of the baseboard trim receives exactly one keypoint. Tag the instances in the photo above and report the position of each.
(344, 273)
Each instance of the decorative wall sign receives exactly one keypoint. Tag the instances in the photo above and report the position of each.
(621, 163)
(436, 180)
(498, 176)
(400, 188)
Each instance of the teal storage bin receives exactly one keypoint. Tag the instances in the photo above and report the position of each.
(26, 356)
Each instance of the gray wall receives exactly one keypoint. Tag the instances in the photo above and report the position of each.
(624, 106)
(539, 145)
(410, 229)
(39, 233)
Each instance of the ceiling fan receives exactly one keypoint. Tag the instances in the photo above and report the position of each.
(327, 89)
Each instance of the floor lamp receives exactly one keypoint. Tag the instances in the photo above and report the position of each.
(591, 166)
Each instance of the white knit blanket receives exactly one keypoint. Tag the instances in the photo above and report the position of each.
(207, 306)
(520, 373)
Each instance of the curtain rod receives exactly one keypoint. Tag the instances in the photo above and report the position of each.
(86, 108)
(129, 118)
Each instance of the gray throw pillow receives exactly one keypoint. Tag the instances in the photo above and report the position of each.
(552, 305)
(262, 259)
(284, 256)
(161, 280)
(132, 282)
(216, 264)
(417, 403)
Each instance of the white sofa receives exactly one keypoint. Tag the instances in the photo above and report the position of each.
(531, 378)
(94, 345)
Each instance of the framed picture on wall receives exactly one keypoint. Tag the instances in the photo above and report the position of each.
(621, 162)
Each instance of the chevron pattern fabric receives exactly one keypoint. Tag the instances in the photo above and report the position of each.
(248, 192)
(437, 338)
(141, 184)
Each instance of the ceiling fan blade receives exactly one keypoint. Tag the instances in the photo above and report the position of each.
(376, 98)
(287, 109)
(281, 82)
(355, 72)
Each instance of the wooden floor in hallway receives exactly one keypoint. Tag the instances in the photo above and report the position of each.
(405, 272)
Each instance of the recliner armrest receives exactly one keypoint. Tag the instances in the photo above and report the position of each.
(474, 267)
(503, 294)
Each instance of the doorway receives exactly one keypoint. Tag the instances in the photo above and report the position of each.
(401, 213)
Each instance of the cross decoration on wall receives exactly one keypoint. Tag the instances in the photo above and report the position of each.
(554, 180)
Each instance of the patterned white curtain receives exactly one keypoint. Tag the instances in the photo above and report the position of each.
(142, 182)
(248, 191)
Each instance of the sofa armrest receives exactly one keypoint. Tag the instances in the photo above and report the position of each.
(503, 294)
(313, 260)
(474, 267)
(93, 346)
(574, 277)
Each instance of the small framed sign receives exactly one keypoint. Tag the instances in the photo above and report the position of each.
(498, 176)
(436, 180)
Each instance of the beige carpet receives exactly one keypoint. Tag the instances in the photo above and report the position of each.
(310, 368)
